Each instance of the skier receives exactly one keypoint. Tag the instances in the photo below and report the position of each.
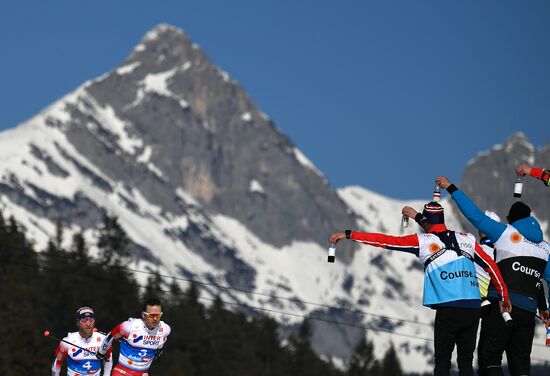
(142, 341)
(80, 362)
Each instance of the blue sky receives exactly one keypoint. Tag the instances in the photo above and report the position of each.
(383, 94)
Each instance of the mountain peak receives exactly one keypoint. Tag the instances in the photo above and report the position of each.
(518, 138)
(165, 45)
(163, 28)
(517, 144)
(520, 142)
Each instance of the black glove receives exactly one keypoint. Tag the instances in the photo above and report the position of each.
(159, 354)
(100, 356)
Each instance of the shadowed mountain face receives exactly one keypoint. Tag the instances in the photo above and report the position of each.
(489, 179)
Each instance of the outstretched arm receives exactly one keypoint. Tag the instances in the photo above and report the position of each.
(539, 173)
(407, 243)
(482, 222)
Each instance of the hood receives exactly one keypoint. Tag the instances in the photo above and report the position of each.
(530, 229)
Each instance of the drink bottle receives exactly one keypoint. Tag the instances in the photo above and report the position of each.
(331, 253)
(507, 318)
(518, 187)
(437, 193)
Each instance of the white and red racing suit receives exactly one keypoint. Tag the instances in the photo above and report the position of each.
(139, 346)
(80, 362)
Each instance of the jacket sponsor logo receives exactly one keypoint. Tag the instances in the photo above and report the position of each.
(517, 267)
(137, 339)
(91, 351)
(465, 246)
(458, 274)
(152, 340)
(434, 248)
(515, 237)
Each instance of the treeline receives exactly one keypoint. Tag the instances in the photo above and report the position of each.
(41, 291)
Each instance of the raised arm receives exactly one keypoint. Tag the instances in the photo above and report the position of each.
(493, 229)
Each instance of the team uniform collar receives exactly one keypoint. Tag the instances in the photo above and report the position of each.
(437, 227)
(87, 340)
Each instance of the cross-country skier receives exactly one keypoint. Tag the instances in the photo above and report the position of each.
(142, 340)
(80, 362)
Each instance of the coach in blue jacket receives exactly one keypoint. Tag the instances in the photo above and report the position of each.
(522, 257)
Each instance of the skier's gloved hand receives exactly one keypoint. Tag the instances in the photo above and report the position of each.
(159, 353)
(100, 356)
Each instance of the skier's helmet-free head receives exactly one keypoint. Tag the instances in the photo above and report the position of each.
(84, 313)
(518, 211)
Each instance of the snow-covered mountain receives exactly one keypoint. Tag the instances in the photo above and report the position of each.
(208, 188)
(490, 177)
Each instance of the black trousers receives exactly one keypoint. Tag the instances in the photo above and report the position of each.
(480, 366)
(496, 338)
(455, 326)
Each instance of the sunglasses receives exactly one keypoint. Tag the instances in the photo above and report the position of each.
(152, 315)
(86, 319)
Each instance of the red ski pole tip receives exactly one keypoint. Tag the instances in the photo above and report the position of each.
(46, 333)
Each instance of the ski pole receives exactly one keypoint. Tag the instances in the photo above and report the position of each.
(47, 334)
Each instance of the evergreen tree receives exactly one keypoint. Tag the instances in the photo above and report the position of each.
(61, 285)
(113, 242)
(188, 347)
(363, 361)
(79, 249)
(303, 356)
(153, 286)
(112, 278)
(274, 359)
(391, 366)
(42, 291)
(23, 349)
